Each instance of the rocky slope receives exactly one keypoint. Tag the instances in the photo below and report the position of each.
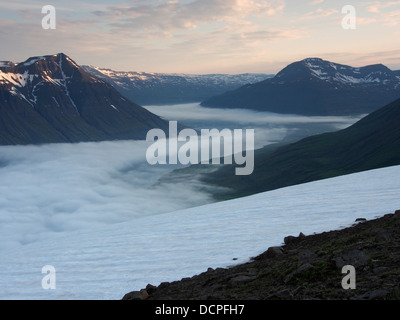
(305, 267)
(317, 87)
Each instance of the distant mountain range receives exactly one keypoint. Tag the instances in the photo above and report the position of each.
(371, 143)
(317, 87)
(52, 99)
(161, 88)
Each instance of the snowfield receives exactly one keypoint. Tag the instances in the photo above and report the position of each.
(105, 262)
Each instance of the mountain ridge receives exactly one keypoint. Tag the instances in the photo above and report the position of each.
(49, 99)
(169, 88)
(372, 142)
(314, 86)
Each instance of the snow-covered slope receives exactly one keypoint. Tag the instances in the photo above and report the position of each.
(107, 262)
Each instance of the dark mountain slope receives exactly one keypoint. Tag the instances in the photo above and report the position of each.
(51, 99)
(317, 87)
(373, 142)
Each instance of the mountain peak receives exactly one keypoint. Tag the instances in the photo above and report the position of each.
(60, 102)
(317, 69)
(45, 62)
(313, 60)
(314, 86)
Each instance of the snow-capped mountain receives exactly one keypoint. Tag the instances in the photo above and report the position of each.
(163, 88)
(107, 262)
(317, 87)
(337, 74)
(52, 99)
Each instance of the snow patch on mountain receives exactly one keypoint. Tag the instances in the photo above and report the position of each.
(15, 79)
(32, 61)
(114, 107)
(341, 75)
(64, 82)
(346, 75)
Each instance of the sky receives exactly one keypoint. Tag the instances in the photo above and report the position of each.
(202, 36)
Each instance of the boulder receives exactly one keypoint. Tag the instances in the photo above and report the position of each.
(303, 268)
(292, 239)
(383, 235)
(307, 256)
(355, 258)
(136, 295)
(274, 251)
(242, 279)
(151, 289)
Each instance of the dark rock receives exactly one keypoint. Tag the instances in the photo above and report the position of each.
(355, 258)
(144, 295)
(361, 220)
(321, 253)
(373, 295)
(307, 256)
(151, 289)
(380, 270)
(289, 239)
(383, 235)
(292, 239)
(303, 268)
(288, 278)
(274, 251)
(136, 295)
(284, 294)
(242, 279)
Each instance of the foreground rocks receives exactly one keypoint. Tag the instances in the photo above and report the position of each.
(306, 267)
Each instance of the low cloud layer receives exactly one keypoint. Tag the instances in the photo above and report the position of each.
(269, 127)
(60, 188)
(65, 187)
